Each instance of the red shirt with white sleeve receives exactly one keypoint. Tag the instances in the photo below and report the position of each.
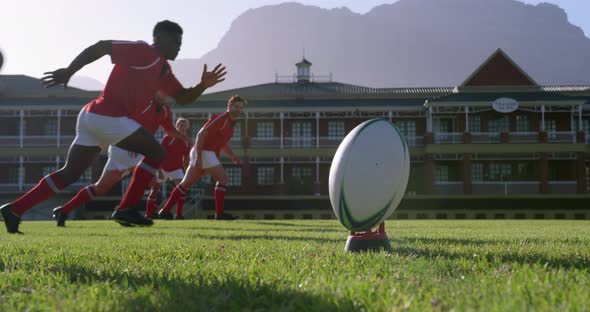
(220, 129)
(140, 71)
(177, 151)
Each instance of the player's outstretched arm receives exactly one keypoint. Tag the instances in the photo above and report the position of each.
(89, 55)
(175, 134)
(208, 80)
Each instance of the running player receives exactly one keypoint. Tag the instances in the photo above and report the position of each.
(115, 117)
(204, 158)
(119, 164)
(177, 158)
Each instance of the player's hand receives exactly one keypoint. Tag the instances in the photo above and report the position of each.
(211, 78)
(60, 76)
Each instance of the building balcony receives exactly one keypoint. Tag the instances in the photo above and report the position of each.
(561, 137)
(505, 187)
(448, 188)
(563, 187)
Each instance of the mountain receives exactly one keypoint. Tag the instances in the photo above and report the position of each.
(410, 43)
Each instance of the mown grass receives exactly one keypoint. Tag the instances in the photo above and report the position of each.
(296, 266)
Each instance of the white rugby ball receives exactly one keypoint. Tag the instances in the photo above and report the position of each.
(369, 174)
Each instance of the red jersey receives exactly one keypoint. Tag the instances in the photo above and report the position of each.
(154, 116)
(177, 151)
(220, 129)
(140, 71)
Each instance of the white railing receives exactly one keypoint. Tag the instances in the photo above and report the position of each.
(448, 138)
(563, 187)
(9, 141)
(448, 188)
(485, 137)
(524, 137)
(561, 137)
(505, 187)
(269, 142)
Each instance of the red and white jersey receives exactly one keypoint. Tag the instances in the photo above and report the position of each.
(177, 151)
(154, 116)
(140, 71)
(220, 129)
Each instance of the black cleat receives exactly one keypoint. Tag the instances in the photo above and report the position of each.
(59, 217)
(179, 217)
(11, 219)
(226, 216)
(130, 217)
(165, 215)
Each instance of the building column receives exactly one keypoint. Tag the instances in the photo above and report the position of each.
(282, 119)
(467, 168)
(58, 137)
(248, 176)
(428, 174)
(282, 184)
(544, 178)
(21, 173)
(581, 173)
(21, 128)
(317, 129)
(316, 185)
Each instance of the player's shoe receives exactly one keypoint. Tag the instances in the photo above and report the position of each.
(60, 217)
(179, 217)
(165, 215)
(226, 216)
(11, 219)
(130, 217)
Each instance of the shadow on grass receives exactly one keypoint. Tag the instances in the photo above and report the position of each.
(403, 246)
(264, 229)
(198, 293)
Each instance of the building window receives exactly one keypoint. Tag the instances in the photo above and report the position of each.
(51, 127)
(48, 169)
(237, 131)
(501, 124)
(585, 126)
(407, 128)
(265, 175)
(301, 172)
(523, 171)
(551, 128)
(442, 125)
(86, 176)
(441, 173)
(234, 176)
(476, 172)
(474, 123)
(301, 134)
(523, 123)
(500, 172)
(336, 129)
(265, 130)
(12, 175)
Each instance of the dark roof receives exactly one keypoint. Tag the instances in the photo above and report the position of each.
(492, 96)
(304, 61)
(324, 103)
(322, 90)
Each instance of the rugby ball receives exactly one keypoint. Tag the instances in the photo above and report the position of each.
(369, 174)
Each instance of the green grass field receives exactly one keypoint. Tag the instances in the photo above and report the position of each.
(296, 266)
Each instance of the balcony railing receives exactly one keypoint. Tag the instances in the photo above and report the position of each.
(563, 187)
(524, 137)
(448, 137)
(448, 188)
(485, 137)
(505, 187)
(561, 137)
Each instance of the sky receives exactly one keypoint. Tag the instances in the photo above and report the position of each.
(38, 36)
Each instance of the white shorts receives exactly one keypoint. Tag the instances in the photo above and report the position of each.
(121, 160)
(209, 159)
(177, 174)
(98, 130)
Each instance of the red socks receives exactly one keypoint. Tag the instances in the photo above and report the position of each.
(219, 199)
(45, 189)
(180, 203)
(143, 174)
(151, 205)
(175, 198)
(84, 195)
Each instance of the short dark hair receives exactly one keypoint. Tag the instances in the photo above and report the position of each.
(167, 26)
(236, 98)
